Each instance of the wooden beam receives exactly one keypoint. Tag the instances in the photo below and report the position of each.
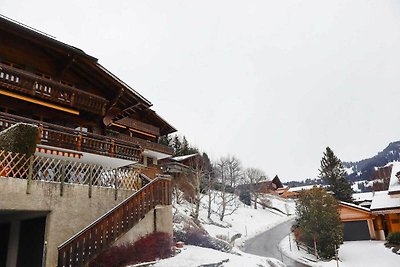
(115, 100)
(39, 102)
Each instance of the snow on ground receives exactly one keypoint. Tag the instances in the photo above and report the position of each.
(355, 186)
(349, 170)
(195, 256)
(351, 254)
(287, 206)
(245, 220)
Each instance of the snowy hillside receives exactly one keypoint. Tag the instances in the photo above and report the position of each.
(245, 220)
(363, 169)
(240, 219)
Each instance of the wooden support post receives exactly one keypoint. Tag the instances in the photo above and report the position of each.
(63, 164)
(90, 180)
(30, 174)
(40, 133)
(79, 141)
(112, 148)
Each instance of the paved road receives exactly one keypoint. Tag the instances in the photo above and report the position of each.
(266, 244)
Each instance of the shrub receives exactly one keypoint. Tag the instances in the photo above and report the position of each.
(20, 138)
(150, 247)
(245, 197)
(200, 237)
(394, 238)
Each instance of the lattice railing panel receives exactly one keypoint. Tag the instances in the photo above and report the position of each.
(14, 164)
(58, 170)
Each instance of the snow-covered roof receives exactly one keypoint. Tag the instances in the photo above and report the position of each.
(394, 184)
(180, 158)
(354, 206)
(363, 196)
(382, 200)
(306, 187)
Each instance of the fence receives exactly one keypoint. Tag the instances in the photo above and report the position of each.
(48, 169)
(308, 249)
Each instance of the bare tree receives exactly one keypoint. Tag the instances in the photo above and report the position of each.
(253, 177)
(228, 171)
(209, 189)
(199, 173)
(234, 168)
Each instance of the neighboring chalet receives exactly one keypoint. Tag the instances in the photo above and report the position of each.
(265, 187)
(93, 181)
(383, 215)
(294, 192)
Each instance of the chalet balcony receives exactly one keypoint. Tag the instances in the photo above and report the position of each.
(68, 138)
(18, 81)
(145, 144)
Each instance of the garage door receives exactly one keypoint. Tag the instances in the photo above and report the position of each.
(356, 231)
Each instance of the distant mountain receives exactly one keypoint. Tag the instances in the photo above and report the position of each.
(363, 169)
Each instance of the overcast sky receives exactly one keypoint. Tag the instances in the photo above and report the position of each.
(271, 82)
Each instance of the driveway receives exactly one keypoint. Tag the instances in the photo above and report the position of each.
(266, 244)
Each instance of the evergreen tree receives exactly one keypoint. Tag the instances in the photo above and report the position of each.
(318, 221)
(165, 140)
(177, 145)
(332, 173)
(185, 146)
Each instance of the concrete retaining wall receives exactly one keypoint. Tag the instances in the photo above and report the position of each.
(67, 214)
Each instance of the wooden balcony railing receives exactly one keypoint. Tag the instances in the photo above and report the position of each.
(138, 125)
(63, 137)
(147, 144)
(34, 85)
(83, 247)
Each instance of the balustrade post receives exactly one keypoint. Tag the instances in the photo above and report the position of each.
(72, 99)
(79, 141)
(30, 174)
(40, 133)
(112, 148)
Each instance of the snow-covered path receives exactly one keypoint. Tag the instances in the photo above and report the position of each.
(266, 244)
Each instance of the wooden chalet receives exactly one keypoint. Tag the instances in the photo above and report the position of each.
(77, 103)
(93, 182)
(266, 186)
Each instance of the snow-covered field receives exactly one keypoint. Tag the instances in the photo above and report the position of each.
(192, 256)
(351, 254)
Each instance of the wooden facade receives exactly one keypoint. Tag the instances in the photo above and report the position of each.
(96, 137)
(359, 216)
(76, 102)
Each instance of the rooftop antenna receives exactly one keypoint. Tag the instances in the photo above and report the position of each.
(26, 26)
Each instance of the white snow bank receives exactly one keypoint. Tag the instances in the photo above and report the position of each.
(351, 254)
(195, 256)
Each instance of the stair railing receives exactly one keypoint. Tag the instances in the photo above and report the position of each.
(84, 246)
